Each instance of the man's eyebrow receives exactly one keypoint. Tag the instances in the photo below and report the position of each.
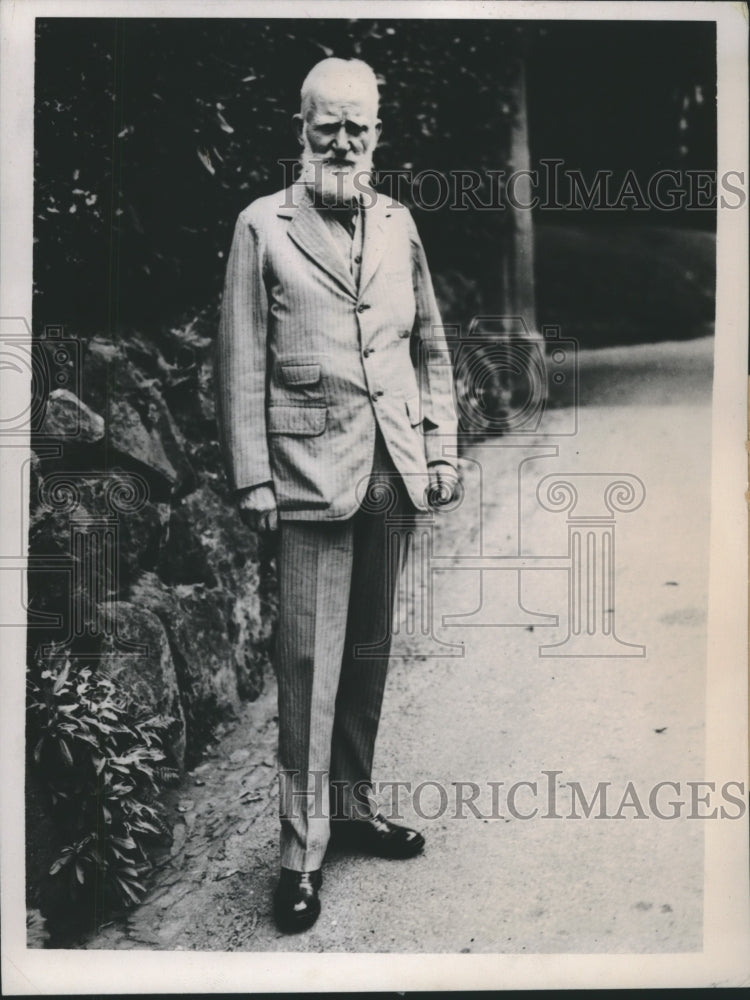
(324, 119)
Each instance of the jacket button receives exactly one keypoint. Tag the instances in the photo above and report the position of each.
(368, 351)
(362, 306)
(377, 394)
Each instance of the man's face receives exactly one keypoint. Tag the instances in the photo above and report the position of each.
(338, 133)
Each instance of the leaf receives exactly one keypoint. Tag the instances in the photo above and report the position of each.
(126, 842)
(101, 726)
(61, 678)
(128, 891)
(85, 738)
(129, 758)
(65, 858)
(120, 790)
(142, 824)
(65, 752)
(206, 161)
(223, 123)
(79, 873)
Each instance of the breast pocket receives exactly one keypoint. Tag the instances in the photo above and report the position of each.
(300, 373)
(300, 382)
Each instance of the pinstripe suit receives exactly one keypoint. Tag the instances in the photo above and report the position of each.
(324, 384)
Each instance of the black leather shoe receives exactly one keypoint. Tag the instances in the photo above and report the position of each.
(378, 836)
(295, 903)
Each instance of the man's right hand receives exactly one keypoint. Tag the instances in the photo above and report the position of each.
(258, 509)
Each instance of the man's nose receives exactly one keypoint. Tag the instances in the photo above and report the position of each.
(341, 139)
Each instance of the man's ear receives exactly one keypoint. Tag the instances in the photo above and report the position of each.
(378, 129)
(299, 125)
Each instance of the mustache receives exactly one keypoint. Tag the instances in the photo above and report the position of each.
(331, 158)
(331, 168)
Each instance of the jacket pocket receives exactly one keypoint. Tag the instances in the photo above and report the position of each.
(304, 421)
(299, 373)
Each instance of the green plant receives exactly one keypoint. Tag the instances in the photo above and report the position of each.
(103, 764)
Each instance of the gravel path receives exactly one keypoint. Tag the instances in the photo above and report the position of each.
(503, 713)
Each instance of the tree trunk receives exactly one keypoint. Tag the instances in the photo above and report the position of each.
(519, 277)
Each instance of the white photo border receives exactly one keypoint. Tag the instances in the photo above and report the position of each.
(725, 959)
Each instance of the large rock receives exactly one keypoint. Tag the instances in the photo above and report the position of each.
(208, 543)
(148, 676)
(196, 622)
(191, 399)
(106, 532)
(140, 430)
(68, 418)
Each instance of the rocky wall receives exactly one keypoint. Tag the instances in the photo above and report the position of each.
(139, 562)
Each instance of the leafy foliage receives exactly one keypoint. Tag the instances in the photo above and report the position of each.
(152, 134)
(103, 766)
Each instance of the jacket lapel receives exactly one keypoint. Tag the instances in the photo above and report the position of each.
(309, 232)
(374, 243)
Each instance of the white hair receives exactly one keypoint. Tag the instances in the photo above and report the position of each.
(347, 74)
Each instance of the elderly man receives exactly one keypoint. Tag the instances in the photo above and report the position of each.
(330, 399)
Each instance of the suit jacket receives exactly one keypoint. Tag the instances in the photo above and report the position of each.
(308, 365)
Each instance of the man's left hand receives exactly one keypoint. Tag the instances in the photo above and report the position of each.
(443, 484)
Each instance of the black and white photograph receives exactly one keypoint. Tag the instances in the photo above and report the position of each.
(374, 546)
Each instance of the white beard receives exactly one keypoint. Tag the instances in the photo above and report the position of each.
(332, 185)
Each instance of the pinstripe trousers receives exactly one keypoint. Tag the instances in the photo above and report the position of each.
(337, 584)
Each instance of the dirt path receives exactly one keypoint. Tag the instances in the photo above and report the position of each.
(501, 712)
